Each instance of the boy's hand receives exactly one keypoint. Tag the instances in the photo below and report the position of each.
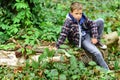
(55, 48)
(94, 40)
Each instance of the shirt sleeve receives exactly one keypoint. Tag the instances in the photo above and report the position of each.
(94, 28)
(63, 34)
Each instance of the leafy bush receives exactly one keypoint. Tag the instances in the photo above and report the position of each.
(33, 20)
(42, 19)
(45, 70)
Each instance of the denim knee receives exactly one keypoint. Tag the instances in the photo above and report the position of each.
(97, 54)
(101, 20)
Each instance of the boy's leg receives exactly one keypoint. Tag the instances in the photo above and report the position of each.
(92, 50)
(100, 23)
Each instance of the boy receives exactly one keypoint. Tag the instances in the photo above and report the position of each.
(83, 33)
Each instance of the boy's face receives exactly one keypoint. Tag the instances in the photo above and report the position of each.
(77, 14)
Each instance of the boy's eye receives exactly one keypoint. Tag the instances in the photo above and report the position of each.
(78, 13)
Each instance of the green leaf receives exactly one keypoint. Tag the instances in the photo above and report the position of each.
(35, 64)
(64, 46)
(27, 40)
(74, 77)
(51, 53)
(4, 26)
(17, 0)
(9, 46)
(109, 30)
(92, 63)
(28, 22)
(73, 62)
(27, 65)
(116, 65)
(54, 72)
(44, 54)
(15, 30)
(22, 50)
(44, 64)
(21, 5)
(30, 32)
(46, 71)
(16, 20)
(29, 51)
(62, 77)
(21, 15)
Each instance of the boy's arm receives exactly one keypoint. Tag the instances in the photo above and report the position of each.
(94, 31)
(63, 34)
(94, 28)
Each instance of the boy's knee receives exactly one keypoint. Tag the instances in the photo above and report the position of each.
(98, 54)
(95, 52)
(101, 20)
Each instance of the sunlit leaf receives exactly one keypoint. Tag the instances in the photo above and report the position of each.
(62, 77)
(92, 63)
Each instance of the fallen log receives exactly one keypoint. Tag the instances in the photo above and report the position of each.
(111, 37)
(8, 58)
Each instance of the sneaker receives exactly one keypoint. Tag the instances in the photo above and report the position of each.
(102, 46)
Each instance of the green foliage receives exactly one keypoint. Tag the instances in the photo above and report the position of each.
(31, 20)
(34, 20)
(42, 19)
(9, 46)
(73, 62)
(92, 63)
(116, 65)
(49, 33)
(45, 70)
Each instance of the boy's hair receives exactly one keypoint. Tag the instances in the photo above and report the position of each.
(75, 5)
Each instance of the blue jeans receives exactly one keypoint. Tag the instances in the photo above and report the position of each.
(92, 49)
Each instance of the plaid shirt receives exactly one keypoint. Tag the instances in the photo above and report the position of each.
(70, 29)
